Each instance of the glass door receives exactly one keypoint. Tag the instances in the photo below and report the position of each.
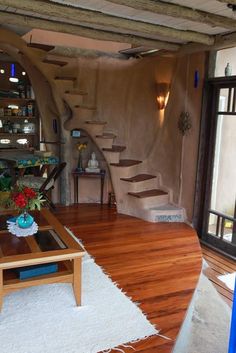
(220, 207)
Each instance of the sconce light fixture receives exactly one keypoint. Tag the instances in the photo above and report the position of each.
(163, 90)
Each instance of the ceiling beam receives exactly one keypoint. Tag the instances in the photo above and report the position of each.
(233, 2)
(221, 42)
(173, 10)
(90, 18)
(32, 22)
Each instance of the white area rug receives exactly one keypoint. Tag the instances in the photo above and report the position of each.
(207, 325)
(229, 280)
(45, 319)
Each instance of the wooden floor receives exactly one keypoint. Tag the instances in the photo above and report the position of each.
(158, 265)
(219, 265)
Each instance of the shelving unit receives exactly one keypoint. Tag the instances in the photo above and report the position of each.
(14, 120)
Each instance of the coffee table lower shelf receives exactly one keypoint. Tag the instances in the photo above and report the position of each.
(65, 274)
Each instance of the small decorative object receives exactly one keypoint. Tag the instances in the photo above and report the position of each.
(24, 199)
(93, 164)
(75, 133)
(184, 123)
(196, 78)
(228, 70)
(81, 147)
(25, 220)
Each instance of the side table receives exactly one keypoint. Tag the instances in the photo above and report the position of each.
(82, 174)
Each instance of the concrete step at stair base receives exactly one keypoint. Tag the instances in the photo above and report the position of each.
(148, 216)
(149, 198)
(165, 213)
(140, 182)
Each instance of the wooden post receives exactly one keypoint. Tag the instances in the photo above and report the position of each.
(1, 288)
(77, 279)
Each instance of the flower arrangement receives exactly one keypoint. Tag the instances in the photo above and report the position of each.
(25, 198)
(81, 146)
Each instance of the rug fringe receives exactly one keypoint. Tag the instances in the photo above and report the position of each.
(126, 345)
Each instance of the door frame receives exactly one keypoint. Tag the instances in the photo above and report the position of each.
(206, 151)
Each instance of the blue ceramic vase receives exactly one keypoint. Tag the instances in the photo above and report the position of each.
(25, 220)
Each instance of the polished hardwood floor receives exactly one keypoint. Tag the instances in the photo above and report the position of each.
(219, 265)
(157, 265)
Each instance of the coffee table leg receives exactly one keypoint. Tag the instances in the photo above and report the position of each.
(77, 268)
(1, 288)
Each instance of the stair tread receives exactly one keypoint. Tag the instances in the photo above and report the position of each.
(94, 122)
(138, 178)
(115, 148)
(65, 78)
(106, 136)
(77, 106)
(126, 163)
(148, 193)
(43, 47)
(55, 62)
(76, 92)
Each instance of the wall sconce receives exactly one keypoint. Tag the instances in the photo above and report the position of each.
(163, 90)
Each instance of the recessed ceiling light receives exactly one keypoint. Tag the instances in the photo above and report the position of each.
(2, 71)
(23, 73)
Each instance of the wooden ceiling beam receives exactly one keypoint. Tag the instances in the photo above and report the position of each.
(173, 10)
(90, 18)
(32, 22)
(221, 42)
(233, 2)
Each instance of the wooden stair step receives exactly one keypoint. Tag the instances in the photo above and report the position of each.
(55, 62)
(65, 78)
(94, 122)
(43, 47)
(115, 148)
(148, 193)
(77, 106)
(76, 92)
(126, 163)
(138, 178)
(106, 136)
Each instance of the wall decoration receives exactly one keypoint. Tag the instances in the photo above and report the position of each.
(184, 123)
(196, 78)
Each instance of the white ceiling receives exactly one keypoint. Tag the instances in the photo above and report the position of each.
(212, 6)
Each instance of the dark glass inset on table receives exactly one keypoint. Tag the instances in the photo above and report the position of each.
(48, 240)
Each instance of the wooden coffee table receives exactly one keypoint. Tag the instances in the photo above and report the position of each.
(52, 244)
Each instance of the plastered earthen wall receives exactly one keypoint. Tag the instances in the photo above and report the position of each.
(124, 94)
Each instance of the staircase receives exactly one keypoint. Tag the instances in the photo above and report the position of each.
(137, 192)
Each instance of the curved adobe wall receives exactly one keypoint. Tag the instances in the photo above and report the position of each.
(124, 93)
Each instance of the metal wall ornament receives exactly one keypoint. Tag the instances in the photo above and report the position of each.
(184, 123)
